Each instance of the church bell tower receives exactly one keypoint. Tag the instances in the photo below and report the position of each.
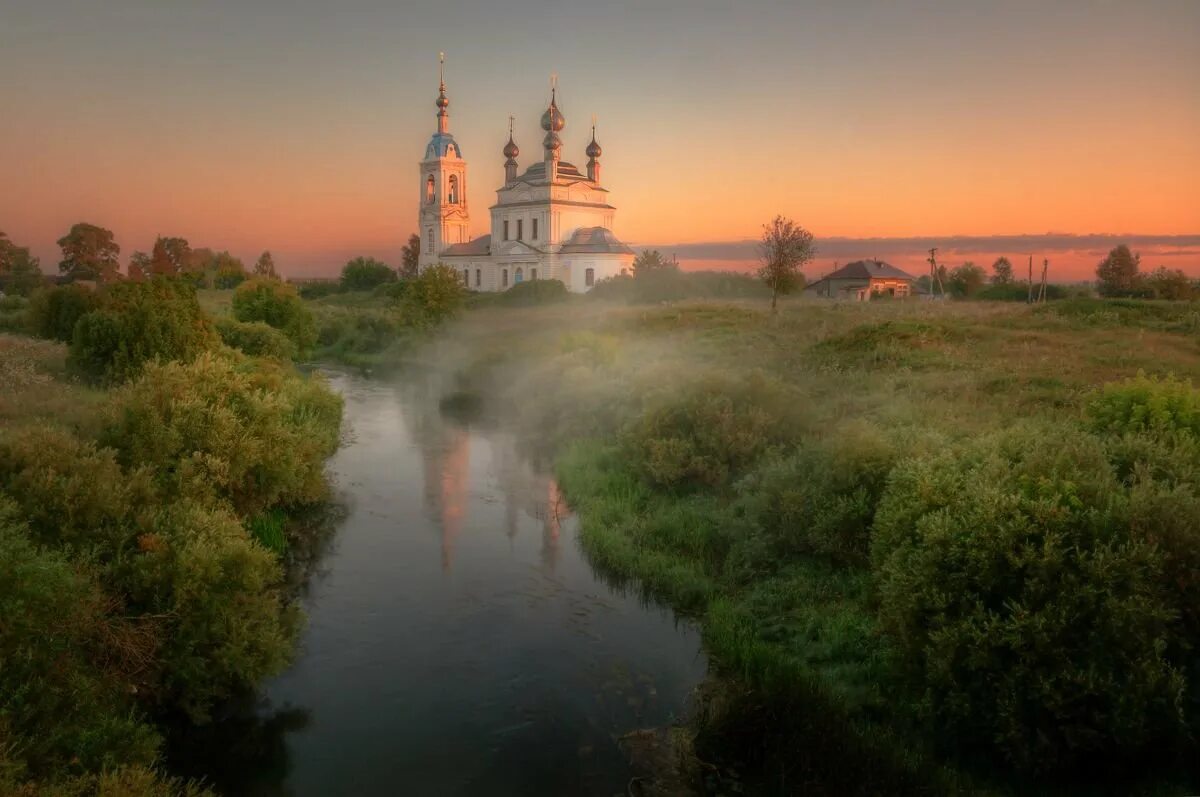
(444, 219)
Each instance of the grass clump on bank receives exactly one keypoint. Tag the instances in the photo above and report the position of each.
(928, 553)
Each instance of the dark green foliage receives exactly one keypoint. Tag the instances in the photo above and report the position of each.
(365, 273)
(54, 311)
(276, 304)
(14, 314)
(267, 530)
(667, 285)
(965, 281)
(255, 338)
(1170, 284)
(66, 664)
(708, 433)
(227, 625)
(317, 289)
(1018, 292)
(534, 292)
(1029, 617)
(20, 272)
(1117, 274)
(138, 323)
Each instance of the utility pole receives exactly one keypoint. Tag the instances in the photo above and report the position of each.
(1030, 299)
(935, 277)
(1045, 268)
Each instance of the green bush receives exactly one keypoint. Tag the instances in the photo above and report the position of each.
(66, 664)
(709, 432)
(365, 273)
(71, 492)
(1146, 404)
(1019, 292)
(1029, 616)
(252, 433)
(255, 338)
(276, 304)
(433, 297)
(54, 311)
(227, 624)
(318, 290)
(137, 323)
(534, 292)
(821, 498)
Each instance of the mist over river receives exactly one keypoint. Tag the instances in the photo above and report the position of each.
(458, 641)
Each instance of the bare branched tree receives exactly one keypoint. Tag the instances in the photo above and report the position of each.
(785, 248)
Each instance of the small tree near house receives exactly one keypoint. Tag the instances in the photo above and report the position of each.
(785, 248)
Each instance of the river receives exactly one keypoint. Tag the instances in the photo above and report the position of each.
(458, 641)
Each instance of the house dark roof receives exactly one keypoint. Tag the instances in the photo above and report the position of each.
(869, 269)
(595, 240)
(480, 246)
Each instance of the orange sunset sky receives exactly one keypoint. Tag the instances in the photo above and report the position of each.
(297, 126)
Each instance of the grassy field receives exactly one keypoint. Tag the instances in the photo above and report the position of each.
(767, 474)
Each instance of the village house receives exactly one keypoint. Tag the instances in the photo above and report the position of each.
(863, 280)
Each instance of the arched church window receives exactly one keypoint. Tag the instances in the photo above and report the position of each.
(504, 278)
(520, 229)
(478, 277)
(429, 241)
(453, 198)
(429, 189)
(519, 276)
(533, 232)
(506, 229)
(466, 277)
(589, 277)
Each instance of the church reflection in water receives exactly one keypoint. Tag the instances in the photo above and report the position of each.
(445, 441)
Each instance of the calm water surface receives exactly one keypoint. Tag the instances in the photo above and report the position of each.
(458, 641)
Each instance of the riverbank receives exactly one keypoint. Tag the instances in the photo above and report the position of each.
(786, 479)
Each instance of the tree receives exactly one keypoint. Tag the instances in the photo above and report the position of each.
(365, 273)
(651, 260)
(227, 270)
(139, 266)
(89, 253)
(966, 280)
(784, 249)
(265, 266)
(1118, 273)
(1002, 271)
(170, 257)
(410, 257)
(277, 304)
(20, 272)
(1171, 284)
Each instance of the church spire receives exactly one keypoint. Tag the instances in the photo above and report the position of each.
(510, 153)
(552, 122)
(442, 102)
(593, 152)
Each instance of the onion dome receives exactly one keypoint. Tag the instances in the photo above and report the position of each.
(552, 141)
(593, 149)
(511, 150)
(442, 102)
(553, 120)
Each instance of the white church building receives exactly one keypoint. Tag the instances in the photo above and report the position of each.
(549, 222)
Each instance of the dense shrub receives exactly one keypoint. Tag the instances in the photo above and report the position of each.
(54, 311)
(318, 289)
(821, 498)
(534, 292)
(140, 322)
(226, 623)
(708, 432)
(664, 285)
(1019, 292)
(1146, 404)
(365, 273)
(1028, 614)
(66, 664)
(433, 297)
(276, 304)
(255, 338)
(254, 434)
(71, 492)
